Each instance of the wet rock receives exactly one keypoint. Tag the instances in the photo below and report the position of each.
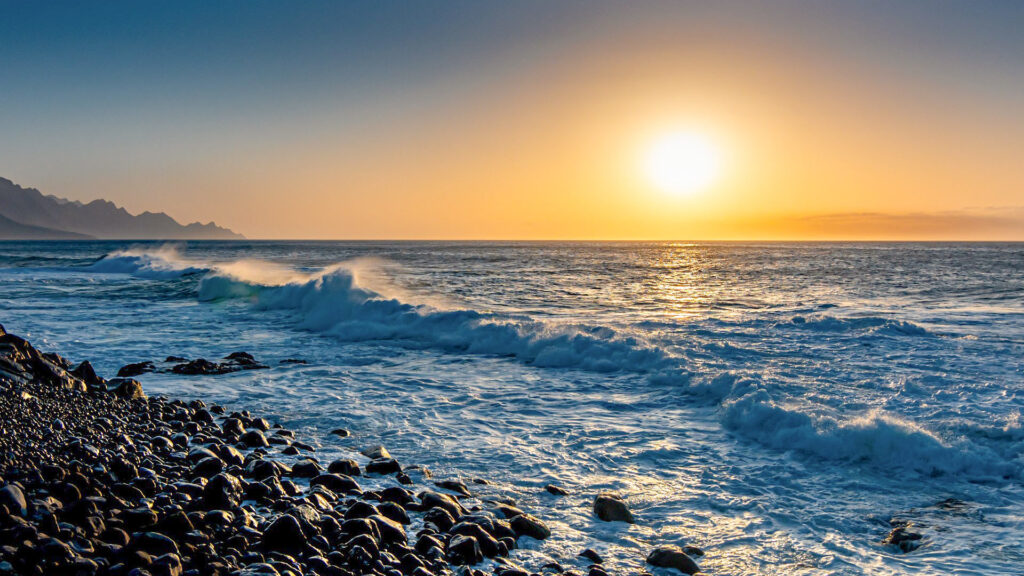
(345, 466)
(375, 452)
(166, 565)
(136, 369)
(222, 491)
(489, 547)
(208, 467)
(284, 535)
(457, 486)
(430, 499)
(440, 518)
(232, 427)
(528, 525)
(508, 511)
(383, 466)
(611, 508)
(463, 550)
(391, 532)
(126, 388)
(672, 557)
(335, 482)
(12, 499)
(138, 519)
(254, 439)
(903, 538)
(199, 366)
(85, 372)
(153, 543)
(394, 512)
(556, 490)
(340, 432)
(591, 555)
(306, 469)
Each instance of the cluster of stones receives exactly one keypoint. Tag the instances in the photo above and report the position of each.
(97, 478)
(233, 362)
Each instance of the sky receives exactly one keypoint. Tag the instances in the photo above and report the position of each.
(524, 120)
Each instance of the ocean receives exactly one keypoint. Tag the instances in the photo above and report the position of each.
(775, 404)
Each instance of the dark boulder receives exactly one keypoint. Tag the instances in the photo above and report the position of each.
(430, 499)
(463, 550)
(454, 485)
(335, 482)
(306, 469)
(12, 499)
(903, 538)
(556, 490)
(136, 369)
(254, 439)
(85, 373)
(383, 466)
(672, 557)
(529, 525)
(345, 466)
(222, 491)
(153, 543)
(611, 508)
(125, 388)
(592, 556)
(284, 535)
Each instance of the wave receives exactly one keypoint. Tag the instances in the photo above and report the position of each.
(334, 303)
(748, 407)
(350, 303)
(869, 324)
(165, 262)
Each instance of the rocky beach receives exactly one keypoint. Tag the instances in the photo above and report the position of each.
(99, 478)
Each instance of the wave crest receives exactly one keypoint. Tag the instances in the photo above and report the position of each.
(869, 324)
(877, 438)
(165, 262)
(335, 303)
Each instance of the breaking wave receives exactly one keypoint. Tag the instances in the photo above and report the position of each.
(869, 324)
(334, 303)
(161, 263)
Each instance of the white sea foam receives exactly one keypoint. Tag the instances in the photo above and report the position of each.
(875, 437)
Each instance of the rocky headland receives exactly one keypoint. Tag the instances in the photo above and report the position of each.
(98, 478)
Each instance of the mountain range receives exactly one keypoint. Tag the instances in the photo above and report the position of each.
(28, 214)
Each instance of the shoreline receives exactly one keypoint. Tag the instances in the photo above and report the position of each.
(98, 478)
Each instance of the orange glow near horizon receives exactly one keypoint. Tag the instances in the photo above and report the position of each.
(787, 140)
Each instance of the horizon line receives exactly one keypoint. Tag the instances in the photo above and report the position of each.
(532, 240)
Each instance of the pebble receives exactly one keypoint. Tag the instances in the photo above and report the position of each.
(101, 479)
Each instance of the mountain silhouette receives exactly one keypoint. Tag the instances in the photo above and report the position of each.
(29, 214)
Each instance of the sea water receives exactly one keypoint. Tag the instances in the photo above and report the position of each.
(774, 404)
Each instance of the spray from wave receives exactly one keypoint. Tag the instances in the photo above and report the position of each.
(161, 263)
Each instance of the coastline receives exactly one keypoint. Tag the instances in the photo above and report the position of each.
(98, 478)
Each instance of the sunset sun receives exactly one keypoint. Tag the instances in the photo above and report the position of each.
(682, 163)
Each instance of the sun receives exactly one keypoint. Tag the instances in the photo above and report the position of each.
(682, 163)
